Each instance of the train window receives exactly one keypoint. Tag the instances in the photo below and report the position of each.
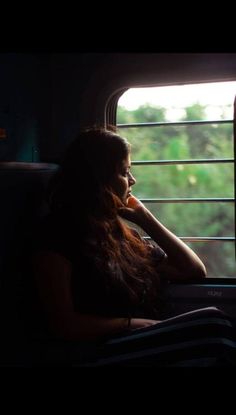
(183, 159)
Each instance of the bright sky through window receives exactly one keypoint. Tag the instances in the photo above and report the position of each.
(218, 97)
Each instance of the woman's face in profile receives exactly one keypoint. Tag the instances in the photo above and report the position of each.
(123, 180)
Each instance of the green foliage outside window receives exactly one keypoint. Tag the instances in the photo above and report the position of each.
(209, 141)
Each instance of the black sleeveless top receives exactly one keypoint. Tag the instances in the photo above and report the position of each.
(90, 294)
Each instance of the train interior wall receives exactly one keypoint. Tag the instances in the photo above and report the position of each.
(46, 98)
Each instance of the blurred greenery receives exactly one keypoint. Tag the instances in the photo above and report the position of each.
(209, 141)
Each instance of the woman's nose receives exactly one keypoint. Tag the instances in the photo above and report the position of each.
(132, 180)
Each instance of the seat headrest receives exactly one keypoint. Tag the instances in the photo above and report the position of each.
(21, 166)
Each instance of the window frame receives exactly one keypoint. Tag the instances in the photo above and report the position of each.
(111, 118)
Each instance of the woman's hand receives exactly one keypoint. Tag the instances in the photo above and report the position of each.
(134, 211)
(138, 323)
(181, 262)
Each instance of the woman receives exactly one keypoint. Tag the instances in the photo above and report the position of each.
(96, 277)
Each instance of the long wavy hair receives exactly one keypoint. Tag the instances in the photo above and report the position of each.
(81, 190)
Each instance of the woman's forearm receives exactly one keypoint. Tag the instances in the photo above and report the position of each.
(179, 254)
(86, 327)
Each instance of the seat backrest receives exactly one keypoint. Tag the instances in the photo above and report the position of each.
(22, 186)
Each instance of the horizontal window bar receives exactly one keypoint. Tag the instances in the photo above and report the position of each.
(191, 161)
(208, 238)
(190, 200)
(175, 123)
(203, 238)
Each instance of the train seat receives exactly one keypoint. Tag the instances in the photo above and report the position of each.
(22, 186)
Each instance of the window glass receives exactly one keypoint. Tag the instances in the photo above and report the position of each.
(212, 176)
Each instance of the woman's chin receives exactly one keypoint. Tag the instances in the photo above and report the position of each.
(126, 200)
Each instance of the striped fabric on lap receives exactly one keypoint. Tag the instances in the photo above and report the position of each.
(204, 337)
